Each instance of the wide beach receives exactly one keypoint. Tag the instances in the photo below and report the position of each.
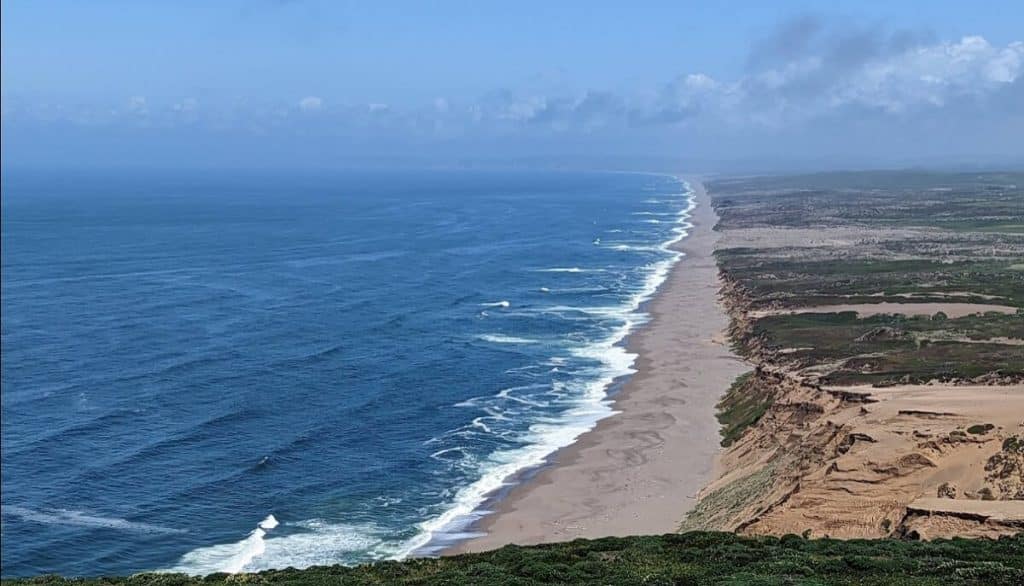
(639, 471)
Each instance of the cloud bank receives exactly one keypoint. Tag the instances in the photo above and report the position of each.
(807, 86)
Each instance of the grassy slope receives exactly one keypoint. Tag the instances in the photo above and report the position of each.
(740, 408)
(689, 558)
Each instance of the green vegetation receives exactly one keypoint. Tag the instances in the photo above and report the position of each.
(894, 181)
(796, 278)
(895, 348)
(1014, 445)
(715, 509)
(879, 237)
(690, 558)
(988, 202)
(741, 407)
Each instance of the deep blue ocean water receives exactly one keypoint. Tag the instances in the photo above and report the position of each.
(226, 371)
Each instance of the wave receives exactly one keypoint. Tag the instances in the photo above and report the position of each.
(501, 339)
(570, 270)
(231, 557)
(635, 247)
(607, 311)
(584, 397)
(83, 519)
(504, 393)
(561, 290)
(587, 407)
(497, 304)
(310, 543)
(456, 450)
(507, 394)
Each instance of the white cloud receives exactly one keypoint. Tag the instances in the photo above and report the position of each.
(807, 73)
(700, 82)
(824, 80)
(931, 75)
(186, 106)
(310, 103)
(137, 105)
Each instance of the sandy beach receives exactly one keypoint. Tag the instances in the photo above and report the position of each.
(638, 472)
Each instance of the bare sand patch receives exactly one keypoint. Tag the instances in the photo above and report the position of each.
(945, 337)
(1000, 510)
(872, 452)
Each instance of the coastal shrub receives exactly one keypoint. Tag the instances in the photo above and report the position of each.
(687, 558)
(1014, 445)
(742, 406)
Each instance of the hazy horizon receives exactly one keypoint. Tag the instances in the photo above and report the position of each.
(736, 87)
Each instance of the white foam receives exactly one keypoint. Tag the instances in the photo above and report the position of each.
(507, 394)
(313, 543)
(439, 453)
(500, 339)
(321, 543)
(269, 523)
(603, 311)
(479, 422)
(589, 407)
(83, 519)
(229, 557)
(632, 247)
(569, 270)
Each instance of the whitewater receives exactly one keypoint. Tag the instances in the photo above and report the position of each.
(347, 375)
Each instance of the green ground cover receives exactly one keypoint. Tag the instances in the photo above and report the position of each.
(894, 348)
(741, 407)
(688, 558)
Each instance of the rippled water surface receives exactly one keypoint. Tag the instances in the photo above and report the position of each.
(216, 371)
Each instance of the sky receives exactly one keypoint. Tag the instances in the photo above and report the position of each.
(727, 84)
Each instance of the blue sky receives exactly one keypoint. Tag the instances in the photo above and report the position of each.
(297, 82)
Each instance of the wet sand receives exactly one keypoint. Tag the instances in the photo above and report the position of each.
(639, 472)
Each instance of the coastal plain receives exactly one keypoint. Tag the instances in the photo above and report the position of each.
(860, 338)
(882, 315)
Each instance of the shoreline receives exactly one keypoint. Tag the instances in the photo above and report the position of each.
(639, 471)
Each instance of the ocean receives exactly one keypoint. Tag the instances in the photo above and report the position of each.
(226, 371)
